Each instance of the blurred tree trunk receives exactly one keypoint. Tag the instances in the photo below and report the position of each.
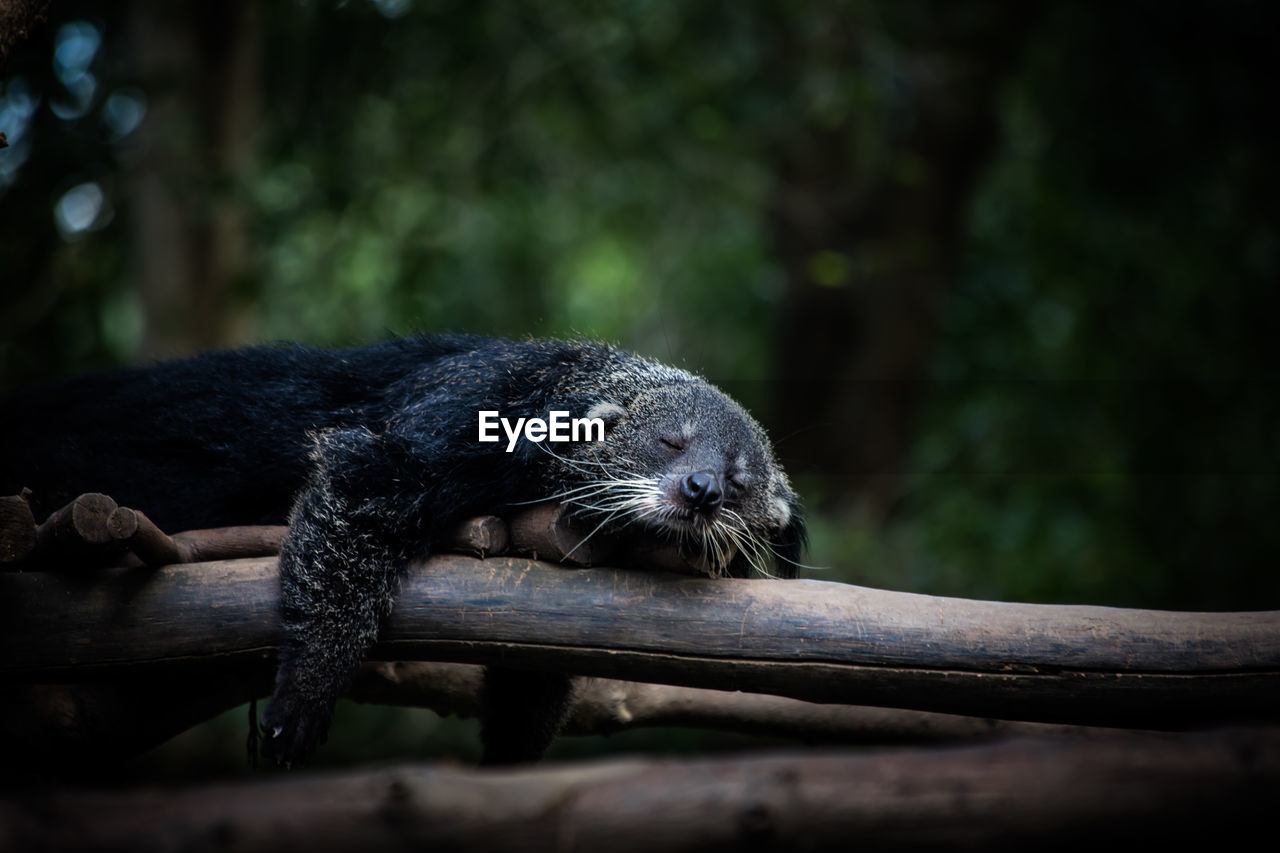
(867, 220)
(200, 66)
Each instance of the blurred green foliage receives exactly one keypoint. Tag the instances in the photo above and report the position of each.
(555, 170)
(1103, 425)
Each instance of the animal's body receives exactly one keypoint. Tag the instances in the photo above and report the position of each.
(372, 453)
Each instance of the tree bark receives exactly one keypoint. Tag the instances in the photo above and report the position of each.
(61, 728)
(1212, 789)
(811, 640)
(603, 706)
(18, 533)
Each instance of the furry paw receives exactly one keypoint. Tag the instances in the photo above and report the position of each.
(291, 730)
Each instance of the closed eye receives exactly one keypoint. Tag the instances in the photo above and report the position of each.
(672, 444)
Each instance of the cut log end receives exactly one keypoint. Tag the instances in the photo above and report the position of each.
(81, 527)
(483, 536)
(17, 529)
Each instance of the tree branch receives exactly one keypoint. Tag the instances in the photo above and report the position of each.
(1020, 794)
(61, 727)
(811, 640)
(603, 706)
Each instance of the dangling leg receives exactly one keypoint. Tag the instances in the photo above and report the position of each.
(339, 572)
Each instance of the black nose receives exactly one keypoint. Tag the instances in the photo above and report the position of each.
(702, 490)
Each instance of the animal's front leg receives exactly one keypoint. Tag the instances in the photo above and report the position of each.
(338, 574)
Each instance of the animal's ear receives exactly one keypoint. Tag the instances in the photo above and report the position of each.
(788, 543)
(607, 411)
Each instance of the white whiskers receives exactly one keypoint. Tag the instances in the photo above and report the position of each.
(622, 501)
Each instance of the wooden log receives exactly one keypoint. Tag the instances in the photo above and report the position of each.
(17, 529)
(229, 543)
(548, 532)
(52, 729)
(89, 525)
(1216, 789)
(122, 524)
(93, 527)
(483, 536)
(811, 640)
(93, 522)
(603, 706)
(151, 544)
(641, 553)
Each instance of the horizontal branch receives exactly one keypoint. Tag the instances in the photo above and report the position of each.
(60, 728)
(812, 640)
(1208, 788)
(603, 706)
(93, 530)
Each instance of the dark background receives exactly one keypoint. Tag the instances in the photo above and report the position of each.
(1000, 278)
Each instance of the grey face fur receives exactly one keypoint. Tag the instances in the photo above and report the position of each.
(684, 461)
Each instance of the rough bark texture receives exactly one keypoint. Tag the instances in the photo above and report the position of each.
(1026, 794)
(603, 706)
(810, 640)
(94, 530)
(53, 729)
(17, 529)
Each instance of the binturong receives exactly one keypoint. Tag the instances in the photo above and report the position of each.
(373, 453)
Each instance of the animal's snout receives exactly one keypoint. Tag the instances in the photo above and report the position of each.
(702, 491)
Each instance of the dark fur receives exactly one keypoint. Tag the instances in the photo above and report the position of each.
(375, 450)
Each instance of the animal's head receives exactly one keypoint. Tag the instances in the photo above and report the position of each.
(683, 460)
